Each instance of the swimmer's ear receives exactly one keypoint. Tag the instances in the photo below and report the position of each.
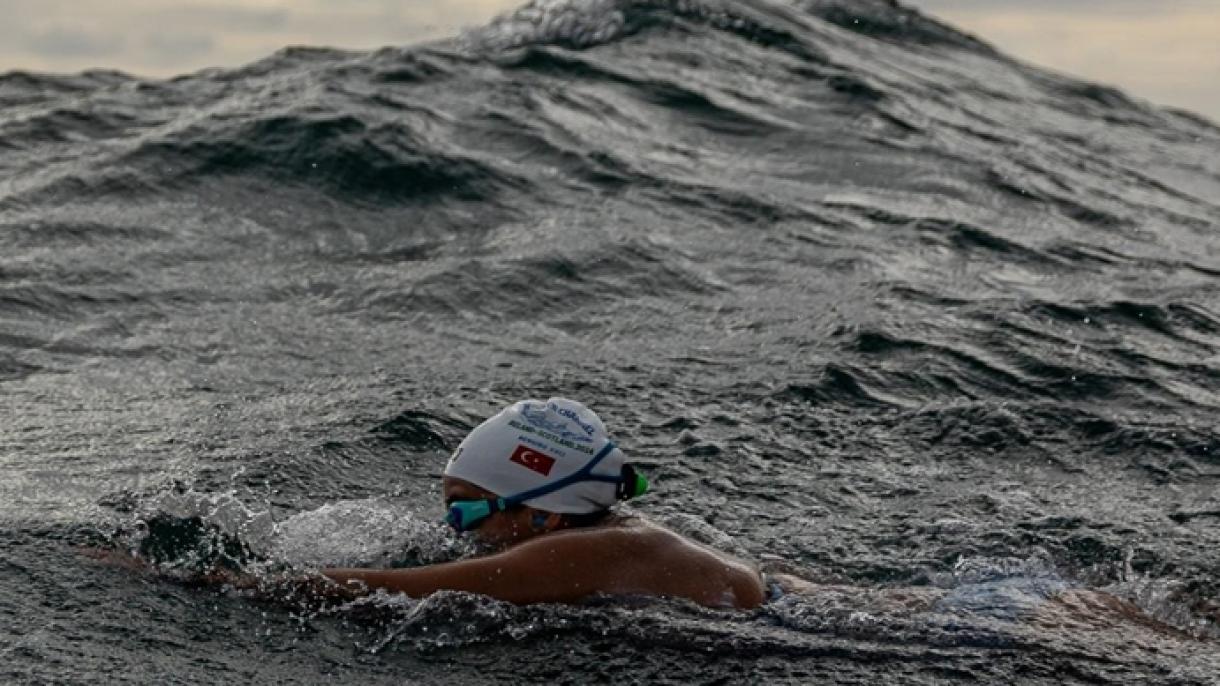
(546, 521)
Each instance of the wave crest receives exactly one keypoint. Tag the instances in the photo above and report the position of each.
(571, 23)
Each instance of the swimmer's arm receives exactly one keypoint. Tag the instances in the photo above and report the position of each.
(309, 588)
(569, 566)
(559, 568)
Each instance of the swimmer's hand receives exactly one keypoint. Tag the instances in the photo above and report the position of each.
(227, 577)
(123, 559)
(314, 588)
(112, 557)
(284, 587)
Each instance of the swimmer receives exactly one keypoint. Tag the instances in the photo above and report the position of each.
(538, 482)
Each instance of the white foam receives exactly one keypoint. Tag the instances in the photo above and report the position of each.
(224, 510)
(575, 23)
(348, 533)
(360, 533)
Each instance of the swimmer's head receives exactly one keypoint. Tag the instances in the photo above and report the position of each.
(550, 457)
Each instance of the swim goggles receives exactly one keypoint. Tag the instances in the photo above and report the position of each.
(467, 515)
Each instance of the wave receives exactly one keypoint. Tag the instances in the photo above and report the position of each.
(934, 327)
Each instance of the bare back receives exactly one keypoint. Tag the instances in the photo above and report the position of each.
(623, 556)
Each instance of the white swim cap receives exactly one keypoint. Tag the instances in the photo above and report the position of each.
(532, 444)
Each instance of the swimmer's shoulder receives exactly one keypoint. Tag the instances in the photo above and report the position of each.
(616, 530)
(657, 553)
(652, 538)
(630, 529)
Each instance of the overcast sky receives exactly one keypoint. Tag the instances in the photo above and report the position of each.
(1167, 51)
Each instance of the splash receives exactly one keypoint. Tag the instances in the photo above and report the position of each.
(361, 533)
(193, 531)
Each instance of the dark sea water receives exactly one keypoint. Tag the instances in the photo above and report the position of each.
(868, 300)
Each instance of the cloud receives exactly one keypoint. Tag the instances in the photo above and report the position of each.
(1079, 7)
(1164, 51)
(178, 49)
(164, 37)
(71, 43)
(225, 17)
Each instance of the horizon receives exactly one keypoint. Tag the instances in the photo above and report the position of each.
(1159, 52)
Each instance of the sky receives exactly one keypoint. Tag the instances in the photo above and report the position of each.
(1165, 51)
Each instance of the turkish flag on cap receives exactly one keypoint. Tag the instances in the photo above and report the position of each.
(532, 459)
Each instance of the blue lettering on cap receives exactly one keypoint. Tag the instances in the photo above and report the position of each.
(565, 412)
(538, 417)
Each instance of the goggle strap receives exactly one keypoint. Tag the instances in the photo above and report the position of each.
(630, 484)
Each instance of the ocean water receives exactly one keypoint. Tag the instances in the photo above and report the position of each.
(869, 301)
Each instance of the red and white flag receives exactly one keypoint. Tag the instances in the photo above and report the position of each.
(533, 460)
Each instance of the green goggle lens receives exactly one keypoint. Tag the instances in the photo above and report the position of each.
(639, 488)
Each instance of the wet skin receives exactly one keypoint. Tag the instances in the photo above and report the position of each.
(548, 561)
